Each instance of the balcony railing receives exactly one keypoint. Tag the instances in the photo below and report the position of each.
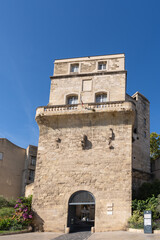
(85, 108)
(61, 108)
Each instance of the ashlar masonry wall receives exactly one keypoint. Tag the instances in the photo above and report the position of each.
(104, 168)
(113, 84)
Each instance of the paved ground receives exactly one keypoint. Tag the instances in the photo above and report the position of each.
(74, 236)
(31, 236)
(120, 235)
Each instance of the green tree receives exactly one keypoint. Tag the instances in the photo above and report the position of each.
(154, 145)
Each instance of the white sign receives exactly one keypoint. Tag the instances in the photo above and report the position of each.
(147, 222)
(109, 212)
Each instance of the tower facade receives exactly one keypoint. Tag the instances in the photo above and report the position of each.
(88, 146)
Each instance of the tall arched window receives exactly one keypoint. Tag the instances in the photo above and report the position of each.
(101, 97)
(73, 99)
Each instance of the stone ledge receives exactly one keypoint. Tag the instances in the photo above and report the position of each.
(89, 74)
(134, 230)
(121, 106)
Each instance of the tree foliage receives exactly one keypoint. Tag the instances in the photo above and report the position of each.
(154, 145)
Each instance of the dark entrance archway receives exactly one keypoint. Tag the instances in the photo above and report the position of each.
(81, 211)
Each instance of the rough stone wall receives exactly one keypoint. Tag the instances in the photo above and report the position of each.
(64, 168)
(141, 142)
(156, 169)
(114, 85)
(141, 145)
(61, 68)
(29, 189)
(105, 167)
(89, 64)
(11, 169)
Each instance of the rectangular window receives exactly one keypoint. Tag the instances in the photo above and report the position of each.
(144, 121)
(1, 156)
(74, 68)
(33, 160)
(145, 135)
(102, 65)
(31, 175)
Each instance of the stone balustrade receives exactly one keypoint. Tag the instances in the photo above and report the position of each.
(85, 108)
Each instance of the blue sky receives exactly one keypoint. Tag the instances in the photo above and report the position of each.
(35, 32)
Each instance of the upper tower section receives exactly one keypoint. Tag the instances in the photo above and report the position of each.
(88, 80)
(94, 64)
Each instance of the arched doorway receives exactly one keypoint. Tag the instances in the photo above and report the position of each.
(81, 211)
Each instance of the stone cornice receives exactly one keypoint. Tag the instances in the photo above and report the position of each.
(88, 74)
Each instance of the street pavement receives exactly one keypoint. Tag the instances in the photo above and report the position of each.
(118, 235)
(75, 236)
(122, 235)
(31, 236)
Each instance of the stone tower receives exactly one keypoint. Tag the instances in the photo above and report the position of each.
(92, 136)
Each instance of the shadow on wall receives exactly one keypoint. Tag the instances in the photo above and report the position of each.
(38, 223)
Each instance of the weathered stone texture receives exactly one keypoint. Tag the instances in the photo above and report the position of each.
(141, 142)
(114, 85)
(113, 146)
(67, 168)
(89, 64)
(61, 68)
(29, 189)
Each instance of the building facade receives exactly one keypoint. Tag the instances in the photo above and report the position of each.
(17, 167)
(93, 146)
(155, 168)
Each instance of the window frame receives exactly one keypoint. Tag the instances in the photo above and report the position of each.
(29, 177)
(71, 95)
(31, 158)
(1, 159)
(102, 62)
(101, 93)
(70, 68)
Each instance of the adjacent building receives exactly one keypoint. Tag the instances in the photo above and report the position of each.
(155, 165)
(17, 168)
(93, 146)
